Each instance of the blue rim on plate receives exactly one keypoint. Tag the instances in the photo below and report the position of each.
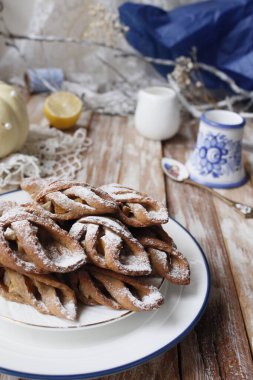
(136, 362)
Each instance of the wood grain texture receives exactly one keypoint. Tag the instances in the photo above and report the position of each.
(218, 348)
(238, 237)
(141, 163)
(165, 367)
(120, 154)
(103, 160)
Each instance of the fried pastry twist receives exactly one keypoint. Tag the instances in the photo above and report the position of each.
(46, 294)
(136, 209)
(6, 206)
(94, 286)
(109, 244)
(33, 244)
(69, 200)
(165, 258)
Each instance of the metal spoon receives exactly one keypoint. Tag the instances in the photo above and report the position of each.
(178, 172)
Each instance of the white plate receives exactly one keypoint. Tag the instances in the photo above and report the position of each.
(86, 353)
(89, 316)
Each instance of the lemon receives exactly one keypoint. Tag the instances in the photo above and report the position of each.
(62, 109)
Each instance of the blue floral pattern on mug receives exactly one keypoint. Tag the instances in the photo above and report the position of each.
(216, 155)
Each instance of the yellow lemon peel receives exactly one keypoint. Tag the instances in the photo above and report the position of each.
(62, 109)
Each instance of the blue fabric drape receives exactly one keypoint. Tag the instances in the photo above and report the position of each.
(221, 30)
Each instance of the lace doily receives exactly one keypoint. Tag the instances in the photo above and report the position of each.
(48, 152)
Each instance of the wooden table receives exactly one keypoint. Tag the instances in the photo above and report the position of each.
(220, 347)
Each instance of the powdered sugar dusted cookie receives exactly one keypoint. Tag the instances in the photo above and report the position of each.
(69, 200)
(136, 209)
(109, 244)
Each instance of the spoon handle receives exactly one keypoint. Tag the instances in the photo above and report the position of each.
(242, 209)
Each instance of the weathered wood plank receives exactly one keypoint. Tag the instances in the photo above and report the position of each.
(133, 161)
(165, 367)
(107, 161)
(238, 236)
(141, 164)
(218, 347)
(102, 162)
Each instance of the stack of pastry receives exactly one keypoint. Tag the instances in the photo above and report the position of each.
(78, 244)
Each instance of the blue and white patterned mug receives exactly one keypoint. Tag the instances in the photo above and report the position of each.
(216, 160)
